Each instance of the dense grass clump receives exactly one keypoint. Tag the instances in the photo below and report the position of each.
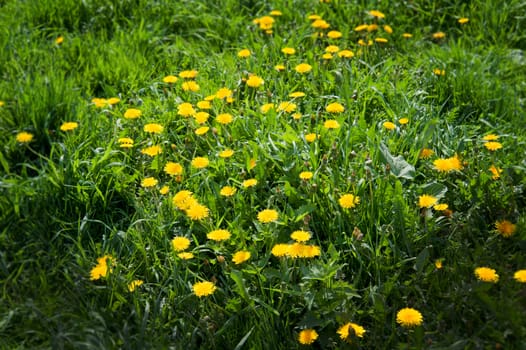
(262, 174)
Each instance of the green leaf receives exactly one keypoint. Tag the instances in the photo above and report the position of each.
(237, 277)
(435, 189)
(399, 166)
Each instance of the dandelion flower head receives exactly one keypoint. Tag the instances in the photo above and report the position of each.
(267, 215)
(486, 274)
(409, 317)
(307, 336)
(203, 289)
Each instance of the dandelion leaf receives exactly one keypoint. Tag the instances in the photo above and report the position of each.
(398, 165)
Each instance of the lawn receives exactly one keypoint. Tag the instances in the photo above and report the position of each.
(262, 174)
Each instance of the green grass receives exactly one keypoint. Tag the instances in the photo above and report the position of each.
(68, 198)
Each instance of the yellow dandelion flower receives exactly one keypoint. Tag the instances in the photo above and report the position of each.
(99, 102)
(113, 100)
(172, 168)
(101, 269)
(276, 13)
(520, 276)
(134, 285)
(185, 255)
(202, 130)
(493, 145)
(240, 257)
(188, 74)
(426, 153)
(279, 67)
(447, 164)
(244, 53)
(439, 35)
(227, 153)
(348, 201)
(505, 228)
(389, 125)
(381, 40)
(438, 264)
(314, 17)
(495, 171)
(170, 79)
(201, 117)
(403, 121)
(388, 29)
(296, 116)
(346, 54)
(223, 93)
(491, 137)
(190, 86)
(204, 105)
(376, 13)
(306, 175)
(334, 34)
(218, 235)
(426, 201)
(361, 27)
(440, 207)
(24, 137)
(463, 20)
(164, 190)
(180, 243)
(254, 81)
(331, 124)
(203, 289)
(183, 199)
(307, 336)
(153, 128)
(485, 274)
(152, 151)
(327, 56)
(409, 317)
(227, 191)
(300, 236)
(334, 107)
(267, 215)
(320, 24)
(288, 50)
(407, 35)
(224, 118)
(149, 182)
(439, 72)
(310, 251)
(249, 183)
(185, 109)
(280, 250)
(68, 126)
(332, 49)
(125, 142)
(59, 40)
(350, 330)
(303, 68)
(296, 250)
(132, 113)
(197, 211)
(265, 22)
(372, 27)
(266, 107)
(288, 107)
(297, 94)
(311, 137)
(200, 162)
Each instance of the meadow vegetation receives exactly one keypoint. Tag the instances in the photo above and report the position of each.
(262, 174)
